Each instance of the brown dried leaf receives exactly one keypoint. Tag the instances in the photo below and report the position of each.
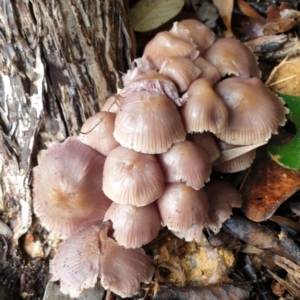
(247, 10)
(267, 186)
(225, 10)
(223, 291)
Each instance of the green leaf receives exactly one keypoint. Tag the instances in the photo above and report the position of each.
(288, 155)
(150, 14)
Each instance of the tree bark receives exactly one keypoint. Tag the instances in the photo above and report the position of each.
(59, 61)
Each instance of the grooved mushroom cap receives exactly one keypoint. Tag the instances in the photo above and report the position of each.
(97, 132)
(181, 206)
(254, 111)
(222, 198)
(164, 44)
(203, 109)
(186, 162)
(200, 34)
(237, 164)
(232, 57)
(90, 254)
(207, 142)
(181, 70)
(67, 192)
(112, 103)
(148, 122)
(152, 81)
(208, 71)
(194, 233)
(131, 177)
(134, 226)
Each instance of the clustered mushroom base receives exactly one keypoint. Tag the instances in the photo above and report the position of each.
(143, 161)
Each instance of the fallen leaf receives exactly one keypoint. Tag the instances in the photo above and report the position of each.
(247, 10)
(150, 14)
(223, 291)
(225, 11)
(266, 186)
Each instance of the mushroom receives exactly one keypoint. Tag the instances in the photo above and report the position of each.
(232, 57)
(164, 44)
(186, 162)
(131, 177)
(97, 132)
(194, 30)
(208, 71)
(112, 103)
(91, 253)
(203, 109)
(134, 226)
(148, 122)
(222, 198)
(181, 206)
(67, 187)
(254, 111)
(194, 233)
(181, 70)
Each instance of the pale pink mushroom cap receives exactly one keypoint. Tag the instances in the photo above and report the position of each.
(148, 122)
(97, 132)
(181, 206)
(67, 187)
(237, 164)
(232, 57)
(222, 198)
(207, 142)
(90, 254)
(164, 44)
(112, 103)
(203, 110)
(192, 29)
(134, 226)
(186, 162)
(254, 111)
(194, 233)
(208, 71)
(131, 177)
(152, 81)
(181, 70)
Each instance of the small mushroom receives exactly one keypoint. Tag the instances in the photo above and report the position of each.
(91, 253)
(112, 103)
(203, 110)
(131, 177)
(67, 187)
(186, 162)
(232, 57)
(194, 233)
(148, 122)
(181, 206)
(164, 44)
(208, 71)
(134, 226)
(254, 111)
(97, 132)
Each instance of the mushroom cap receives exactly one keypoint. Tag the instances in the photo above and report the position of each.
(203, 109)
(148, 122)
(134, 226)
(194, 233)
(186, 162)
(164, 44)
(232, 57)
(254, 111)
(91, 253)
(222, 198)
(181, 70)
(112, 103)
(131, 177)
(97, 132)
(207, 142)
(181, 206)
(123, 269)
(208, 71)
(200, 34)
(237, 164)
(67, 187)
(152, 81)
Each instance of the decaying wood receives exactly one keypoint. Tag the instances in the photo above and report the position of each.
(59, 60)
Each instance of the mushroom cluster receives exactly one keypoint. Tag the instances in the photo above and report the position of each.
(145, 159)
